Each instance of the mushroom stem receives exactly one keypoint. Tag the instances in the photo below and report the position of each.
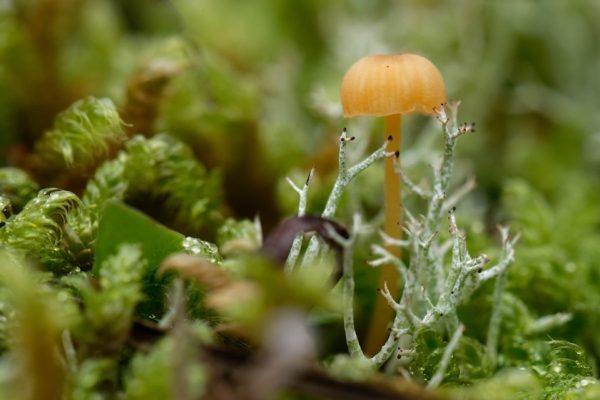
(392, 205)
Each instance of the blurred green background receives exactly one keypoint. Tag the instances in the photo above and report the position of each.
(252, 88)
(258, 96)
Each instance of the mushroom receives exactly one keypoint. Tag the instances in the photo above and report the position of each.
(389, 86)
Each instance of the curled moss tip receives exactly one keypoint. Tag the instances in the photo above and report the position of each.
(82, 136)
(17, 186)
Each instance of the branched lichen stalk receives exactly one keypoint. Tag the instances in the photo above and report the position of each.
(354, 347)
(391, 343)
(547, 322)
(442, 181)
(297, 243)
(432, 292)
(345, 175)
(352, 341)
(432, 275)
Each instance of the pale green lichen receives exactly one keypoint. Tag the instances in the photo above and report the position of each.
(434, 284)
(345, 176)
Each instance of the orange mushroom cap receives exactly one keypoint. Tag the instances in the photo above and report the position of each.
(381, 85)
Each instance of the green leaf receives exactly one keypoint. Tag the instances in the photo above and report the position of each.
(122, 224)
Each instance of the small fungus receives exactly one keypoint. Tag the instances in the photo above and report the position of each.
(389, 86)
